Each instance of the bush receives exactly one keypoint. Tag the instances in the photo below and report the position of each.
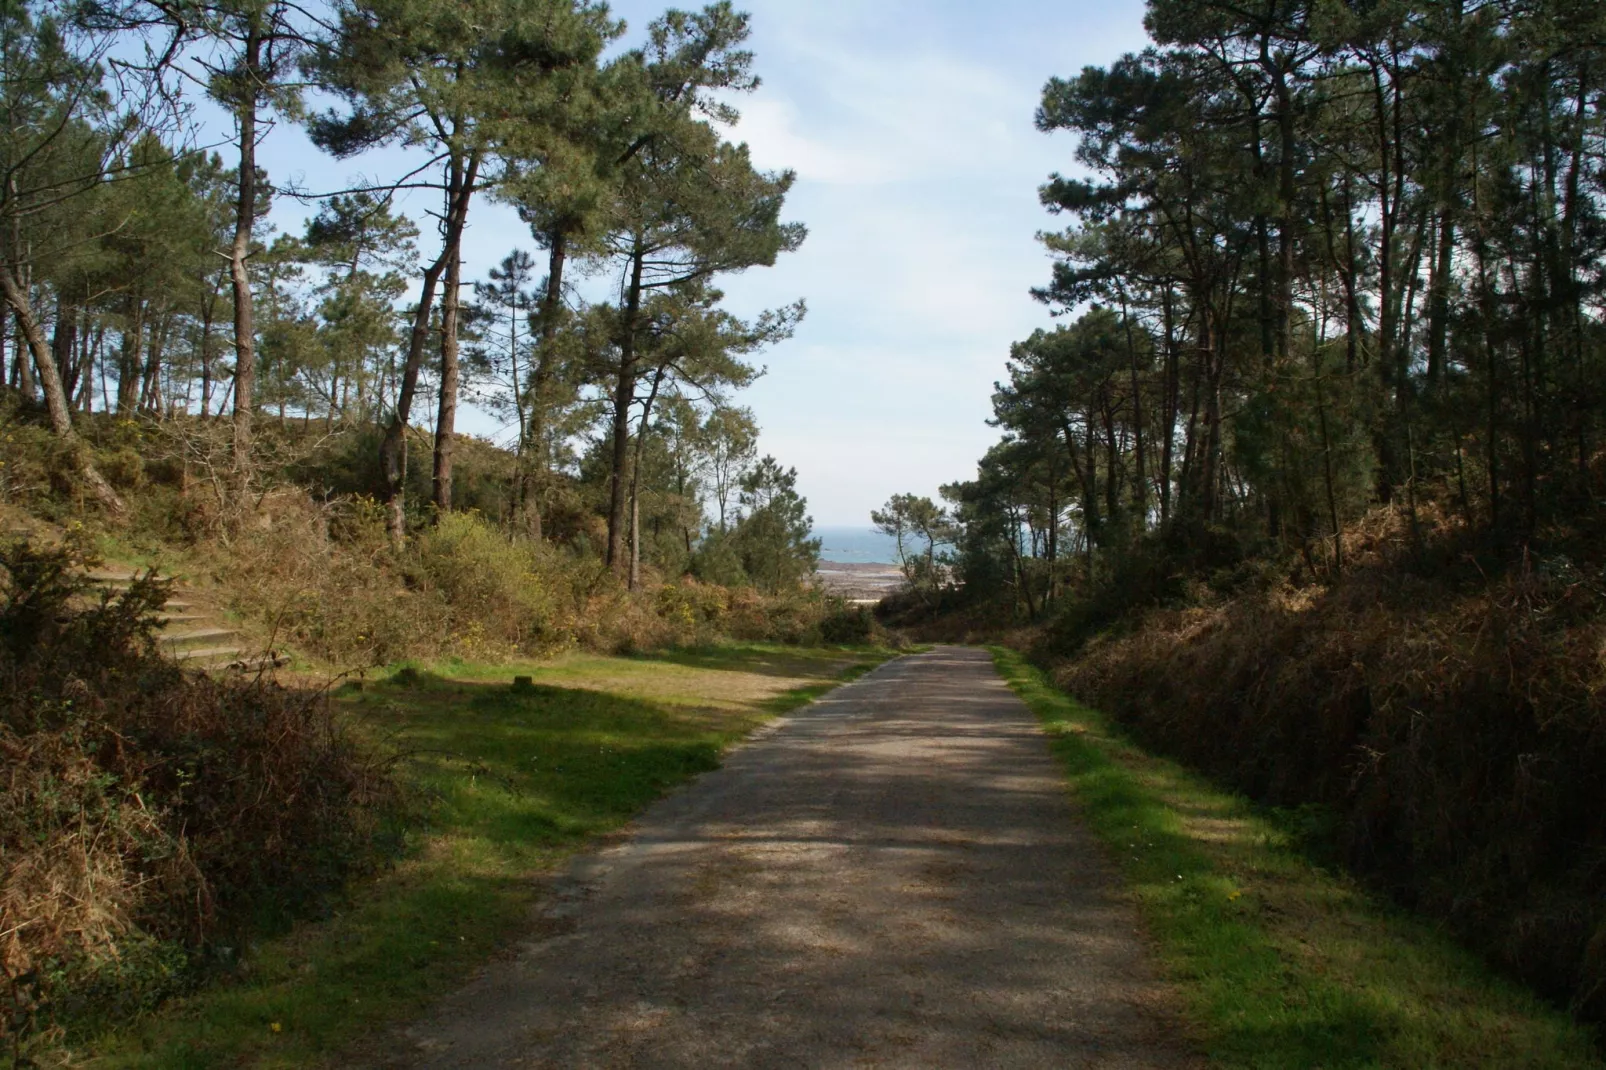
(36, 469)
(124, 467)
(696, 611)
(785, 617)
(497, 588)
(846, 625)
(147, 809)
(1454, 726)
(323, 579)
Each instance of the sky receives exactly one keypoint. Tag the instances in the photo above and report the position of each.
(909, 125)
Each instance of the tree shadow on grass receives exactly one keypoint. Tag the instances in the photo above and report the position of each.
(542, 765)
(814, 663)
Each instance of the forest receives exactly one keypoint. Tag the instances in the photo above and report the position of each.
(146, 279)
(1307, 488)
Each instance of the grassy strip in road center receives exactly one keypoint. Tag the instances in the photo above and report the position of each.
(509, 781)
(1279, 963)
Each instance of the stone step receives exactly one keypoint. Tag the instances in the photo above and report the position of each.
(111, 577)
(213, 653)
(202, 646)
(200, 635)
(167, 620)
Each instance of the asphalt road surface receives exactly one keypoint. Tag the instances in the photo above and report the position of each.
(891, 877)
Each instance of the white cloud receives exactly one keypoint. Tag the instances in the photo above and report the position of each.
(771, 128)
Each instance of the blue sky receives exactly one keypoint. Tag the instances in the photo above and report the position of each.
(910, 127)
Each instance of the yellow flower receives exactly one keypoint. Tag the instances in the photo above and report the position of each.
(276, 1027)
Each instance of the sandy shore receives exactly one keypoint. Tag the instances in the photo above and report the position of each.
(858, 580)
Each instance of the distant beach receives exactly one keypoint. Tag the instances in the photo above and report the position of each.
(857, 562)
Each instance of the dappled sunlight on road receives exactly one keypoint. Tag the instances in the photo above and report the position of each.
(892, 878)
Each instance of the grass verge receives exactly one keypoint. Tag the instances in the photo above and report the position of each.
(1280, 963)
(509, 781)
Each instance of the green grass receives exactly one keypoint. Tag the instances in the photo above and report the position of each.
(1277, 962)
(508, 784)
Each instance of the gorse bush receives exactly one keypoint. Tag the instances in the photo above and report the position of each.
(502, 585)
(147, 810)
(324, 580)
(846, 625)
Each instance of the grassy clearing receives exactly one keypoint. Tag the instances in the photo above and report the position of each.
(509, 782)
(1280, 963)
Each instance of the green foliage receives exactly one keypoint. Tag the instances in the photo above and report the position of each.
(772, 537)
(849, 626)
(1325, 258)
(911, 521)
(617, 159)
(506, 588)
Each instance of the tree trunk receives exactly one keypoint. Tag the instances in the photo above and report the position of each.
(206, 357)
(61, 347)
(546, 361)
(635, 478)
(1172, 393)
(1140, 485)
(624, 394)
(1439, 300)
(150, 390)
(55, 395)
(446, 414)
(239, 276)
(130, 359)
(635, 534)
(393, 447)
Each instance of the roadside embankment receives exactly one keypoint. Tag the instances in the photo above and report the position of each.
(1279, 961)
(1445, 735)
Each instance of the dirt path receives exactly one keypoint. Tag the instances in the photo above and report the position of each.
(892, 877)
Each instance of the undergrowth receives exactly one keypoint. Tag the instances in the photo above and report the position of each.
(1446, 715)
(1279, 963)
(307, 564)
(151, 815)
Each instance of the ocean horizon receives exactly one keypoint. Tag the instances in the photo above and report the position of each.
(856, 544)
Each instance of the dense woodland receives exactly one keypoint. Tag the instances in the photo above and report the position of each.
(145, 277)
(1328, 256)
(1307, 489)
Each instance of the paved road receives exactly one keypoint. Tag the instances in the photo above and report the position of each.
(891, 878)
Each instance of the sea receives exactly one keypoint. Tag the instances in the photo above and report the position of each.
(856, 545)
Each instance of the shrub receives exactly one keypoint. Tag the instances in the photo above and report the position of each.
(36, 467)
(696, 611)
(494, 585)
(123, 466)
(846, 625)
(148, 809)
(1453, 725)
(786, 617)
(323, 578)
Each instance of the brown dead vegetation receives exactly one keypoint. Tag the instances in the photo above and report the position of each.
(148, 810)
(1451, 723)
